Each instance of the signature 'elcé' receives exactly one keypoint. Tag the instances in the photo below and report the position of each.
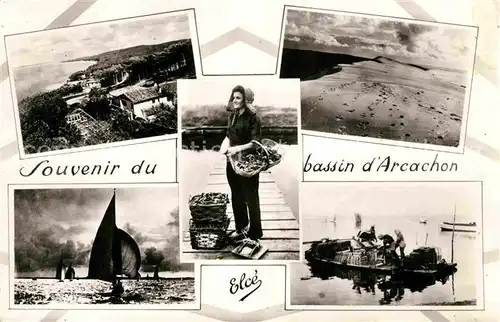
(245, 283)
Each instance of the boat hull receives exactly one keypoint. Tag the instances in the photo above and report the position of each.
(338, 260)
(386, 269)
(458, 228)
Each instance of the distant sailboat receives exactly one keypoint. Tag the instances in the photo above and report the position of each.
(70, 273)
(156, 275)
(60, 270)
(357, 219)
(114, 252)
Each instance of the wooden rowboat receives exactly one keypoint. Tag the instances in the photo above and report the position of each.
(470, 227)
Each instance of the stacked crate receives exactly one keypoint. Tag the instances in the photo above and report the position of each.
(209, 221)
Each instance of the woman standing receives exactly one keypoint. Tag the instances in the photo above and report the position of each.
(243, 127)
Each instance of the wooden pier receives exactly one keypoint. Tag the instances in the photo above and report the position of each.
(280, 227)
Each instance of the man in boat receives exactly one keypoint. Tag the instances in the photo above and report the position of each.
(368, 235)
(388, 248)
(400, 243)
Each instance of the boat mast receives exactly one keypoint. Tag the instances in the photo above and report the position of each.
(452, 240)
(453, 231)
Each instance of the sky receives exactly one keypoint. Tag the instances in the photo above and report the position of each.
(148, 214)
(78, 41)
(268, 91)
(374, 36)
(392, 199)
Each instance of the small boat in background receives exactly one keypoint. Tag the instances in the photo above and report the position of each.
(469, 227)
(423, 220)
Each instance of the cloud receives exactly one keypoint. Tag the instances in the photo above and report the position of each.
(381, 36)
(51, 218)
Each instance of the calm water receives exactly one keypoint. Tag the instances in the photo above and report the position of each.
(354, 288)
(30, 80)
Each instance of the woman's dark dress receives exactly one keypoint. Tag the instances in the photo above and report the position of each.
(242, 129)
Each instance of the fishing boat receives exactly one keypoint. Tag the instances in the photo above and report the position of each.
(423, 220)
(469, 227)
(352, 254)
(115, 254)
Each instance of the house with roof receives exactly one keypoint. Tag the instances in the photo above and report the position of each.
(138, 101)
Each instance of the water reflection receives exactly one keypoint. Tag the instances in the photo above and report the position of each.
(390, 287)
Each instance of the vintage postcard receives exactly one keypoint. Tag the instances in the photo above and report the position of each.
(390, 244)
(380, 79)
(238, 168)
(257, 161)
(91, 246)
(101, 83)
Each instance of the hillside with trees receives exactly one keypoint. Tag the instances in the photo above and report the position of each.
(161, 62)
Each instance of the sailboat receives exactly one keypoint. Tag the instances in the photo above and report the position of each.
(357, 218)
(156, 275)
(114, 252)
(60, 270)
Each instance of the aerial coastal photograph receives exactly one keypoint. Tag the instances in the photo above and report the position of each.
(100, 83)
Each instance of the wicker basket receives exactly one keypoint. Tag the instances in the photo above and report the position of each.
(208, 234)
(201, 210)
(266, 155)
(274, 151)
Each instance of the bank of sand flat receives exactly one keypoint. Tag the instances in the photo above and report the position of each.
(383, 98)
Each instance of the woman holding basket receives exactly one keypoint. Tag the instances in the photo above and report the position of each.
(243, 128)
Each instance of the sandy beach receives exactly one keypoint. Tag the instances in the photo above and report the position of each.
(383, 98)
(51, 291)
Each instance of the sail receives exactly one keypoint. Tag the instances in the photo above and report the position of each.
(101, 256)
(70, 273)
(114, 252)
(156, 275)
(60, 270)
(130, 255)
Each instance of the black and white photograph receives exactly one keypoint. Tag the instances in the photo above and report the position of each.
(390, 244)
(380, 79)
(239, 168)
(92, 246)
(107, 83)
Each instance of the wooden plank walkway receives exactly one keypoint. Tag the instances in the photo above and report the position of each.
(281, 229)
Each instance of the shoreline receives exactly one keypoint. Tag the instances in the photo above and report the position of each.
(456, 303)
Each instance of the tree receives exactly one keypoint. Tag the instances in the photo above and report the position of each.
(153, 256)
(45, 108)
(72, 134)
(76, 75)
(98, 105)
